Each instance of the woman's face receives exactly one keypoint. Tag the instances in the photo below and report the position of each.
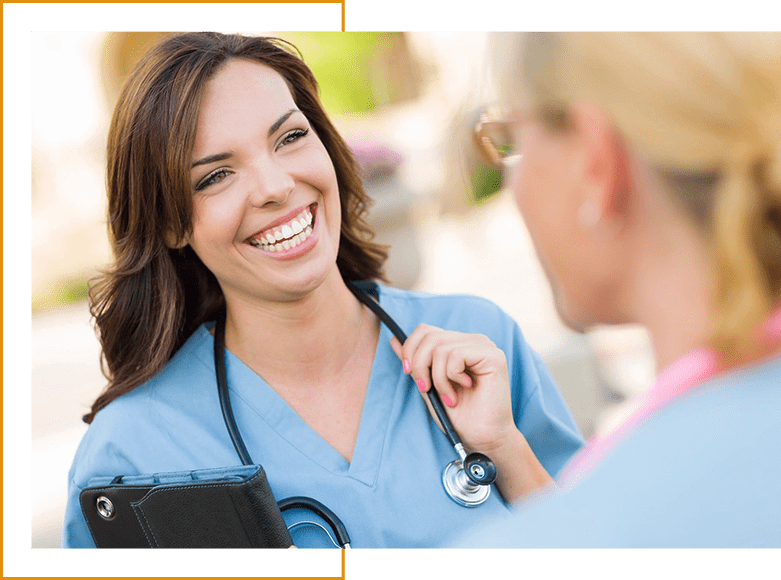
(266, 200)
(549, 188)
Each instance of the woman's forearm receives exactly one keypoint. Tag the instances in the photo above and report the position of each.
(519, 472)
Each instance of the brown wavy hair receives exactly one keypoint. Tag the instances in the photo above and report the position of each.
(153, 297)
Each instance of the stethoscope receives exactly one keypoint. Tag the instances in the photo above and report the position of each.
(467, 480)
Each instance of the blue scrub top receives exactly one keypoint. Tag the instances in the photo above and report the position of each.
(390, 495)
(703, 472)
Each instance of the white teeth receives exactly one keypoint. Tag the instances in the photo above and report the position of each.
(288, 236)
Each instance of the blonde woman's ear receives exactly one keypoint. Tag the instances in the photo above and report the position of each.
(589, 214)
(605, 170)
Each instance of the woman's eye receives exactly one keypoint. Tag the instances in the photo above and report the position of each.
(292, 137)
(214, 177)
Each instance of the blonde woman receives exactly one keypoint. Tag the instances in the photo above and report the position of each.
(648, 170)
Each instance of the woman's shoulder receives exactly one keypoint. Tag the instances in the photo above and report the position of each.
(190, 366)
(129, 423)
(460, 309)
(733, 407)
(700, 473)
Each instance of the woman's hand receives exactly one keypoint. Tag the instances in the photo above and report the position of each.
(470, 374)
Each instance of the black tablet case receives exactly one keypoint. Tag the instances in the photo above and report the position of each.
(237, 511)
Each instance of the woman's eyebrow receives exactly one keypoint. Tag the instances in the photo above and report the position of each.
(211, 159)
(222, 156)
(278, 122)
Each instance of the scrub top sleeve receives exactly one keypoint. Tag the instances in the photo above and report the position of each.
(75, 533)
(539, 408)
(101, 452)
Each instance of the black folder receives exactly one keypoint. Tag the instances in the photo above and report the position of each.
(213, 508)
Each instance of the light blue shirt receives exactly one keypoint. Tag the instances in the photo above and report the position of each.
(389, 495)
(703, 472)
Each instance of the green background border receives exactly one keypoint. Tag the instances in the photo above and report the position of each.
(19, 20)
(560, 15)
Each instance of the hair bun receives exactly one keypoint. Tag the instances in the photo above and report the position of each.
(767, 156)
(773, 168)
(758, 159)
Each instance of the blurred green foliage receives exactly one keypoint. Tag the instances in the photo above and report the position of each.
(61, 293)
(74, 291)
(344, 66)
(486, 181)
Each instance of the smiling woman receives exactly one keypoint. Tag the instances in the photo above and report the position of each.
(232, 197)
(261, 172)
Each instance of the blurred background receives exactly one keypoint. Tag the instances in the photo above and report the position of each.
(406, 103)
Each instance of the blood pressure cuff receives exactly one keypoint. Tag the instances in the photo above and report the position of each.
(230, 507)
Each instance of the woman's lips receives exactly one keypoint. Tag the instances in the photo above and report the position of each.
(287, 235)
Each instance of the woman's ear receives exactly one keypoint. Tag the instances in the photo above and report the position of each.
(605, 167)
(173, 243)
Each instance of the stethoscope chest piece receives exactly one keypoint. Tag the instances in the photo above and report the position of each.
(459, 487)
(468, 480)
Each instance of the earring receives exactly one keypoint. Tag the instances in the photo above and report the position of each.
(589, 214)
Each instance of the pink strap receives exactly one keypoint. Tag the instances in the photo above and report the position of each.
(684, 375)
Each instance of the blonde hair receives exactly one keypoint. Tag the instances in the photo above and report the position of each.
(705, 110)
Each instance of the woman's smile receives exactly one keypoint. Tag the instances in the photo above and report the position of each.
(286, 235)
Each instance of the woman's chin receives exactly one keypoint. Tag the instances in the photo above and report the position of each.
(572, 320)
(308, 282)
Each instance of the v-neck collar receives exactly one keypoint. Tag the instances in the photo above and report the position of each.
(246, 385)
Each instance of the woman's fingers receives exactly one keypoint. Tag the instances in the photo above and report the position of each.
(413, 358)
(440, 376)
(456, 368)
(419, 351)
(443, 359)
(470, 374)
(396, 346)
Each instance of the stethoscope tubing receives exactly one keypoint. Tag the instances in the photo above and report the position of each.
(222, 389)
(311, 504)
(361, 293)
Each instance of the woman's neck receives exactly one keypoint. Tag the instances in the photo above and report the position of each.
(304, 342)
(670, 290)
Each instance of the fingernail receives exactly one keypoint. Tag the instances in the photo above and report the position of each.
(405, 366)
(447, 401)
(421, 386)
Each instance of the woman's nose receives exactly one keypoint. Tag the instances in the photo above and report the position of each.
(271, 184)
